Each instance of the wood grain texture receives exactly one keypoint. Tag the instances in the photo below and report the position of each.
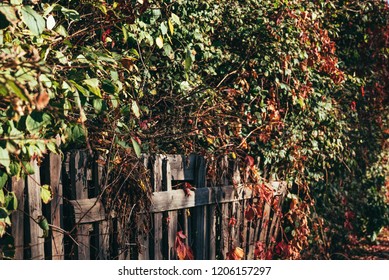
(35, 210)
(17, 218)
(55, 167)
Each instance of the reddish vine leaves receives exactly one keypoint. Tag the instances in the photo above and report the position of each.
(184, 252)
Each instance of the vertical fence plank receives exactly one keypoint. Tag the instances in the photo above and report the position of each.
(103, 226)
(157, 217)
(265, 222)
(18, 217)
(143, 230)
(172, 215)
(35, 210)
(212, 231)
(201, 230)
(78, 173)
(55, 164)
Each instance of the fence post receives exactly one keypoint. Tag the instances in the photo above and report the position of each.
(78, 165)
(35, 210)
(55, 169)
(201, 229)
(157, 217)
(18, 217)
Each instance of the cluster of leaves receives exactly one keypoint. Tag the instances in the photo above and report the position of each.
(300, 85)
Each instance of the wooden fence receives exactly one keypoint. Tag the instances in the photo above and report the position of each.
(81, 229)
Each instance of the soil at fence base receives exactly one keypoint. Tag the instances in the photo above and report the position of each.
(378, 250)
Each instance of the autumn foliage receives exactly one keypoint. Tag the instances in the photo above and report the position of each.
(292, 90)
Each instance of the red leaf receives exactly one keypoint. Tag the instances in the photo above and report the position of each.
(181, 235)
(259, 251)
(189, 253)
(180, 248)
(249, 160)
(362, 91)
(232, 222)
(187, 188)
(353, 105)
(250, 213)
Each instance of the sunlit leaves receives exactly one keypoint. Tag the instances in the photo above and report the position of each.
(33, 20)
(45, 193)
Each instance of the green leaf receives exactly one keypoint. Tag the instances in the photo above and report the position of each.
(2, 197)
(44, 225)
(3, 178)
(188, 60)
(93, 85)
(28, 168)
(176, 19)
(159, 42)
(4, 157)
(163, 28)
(98, 105)
(14, 169)
(52, 147)
(3, 213)
(46, 194)
(36, 122)
(34, 21)
(9, 12)
(11, 202)
(136, 147)
(70, 14)
(16, 90)
(135, 109)
(50, 22)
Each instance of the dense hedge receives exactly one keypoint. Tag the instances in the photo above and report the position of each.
(300, 85)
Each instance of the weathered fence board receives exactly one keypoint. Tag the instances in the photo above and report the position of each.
(17, 218)
(211, 215)
(35, 211)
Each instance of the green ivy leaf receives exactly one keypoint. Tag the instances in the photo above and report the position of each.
(159, 42)
(93, 86)
(2, 197)
(135, 109)
(4, 157)
(46, 194)
(10, 13)
(44, 225)
(11, 202)
(136, 147)
(34, 21)
(3, 178)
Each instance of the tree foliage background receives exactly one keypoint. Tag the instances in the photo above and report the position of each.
(301, 86)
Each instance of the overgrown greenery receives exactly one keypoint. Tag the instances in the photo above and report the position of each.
(302, 85)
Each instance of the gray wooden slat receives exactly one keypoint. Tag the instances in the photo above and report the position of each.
(88, 210)
(172, 215)
(176, 199)
(182, 167)
(103, 225)
(201, 229)
(143, 231)
(17, 218)
(212, 231)
(78, 164)
(265, 222)
(55, 165)
(35, 210)
(157, 217)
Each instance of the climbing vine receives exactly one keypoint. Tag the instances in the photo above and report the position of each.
(301, 86)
